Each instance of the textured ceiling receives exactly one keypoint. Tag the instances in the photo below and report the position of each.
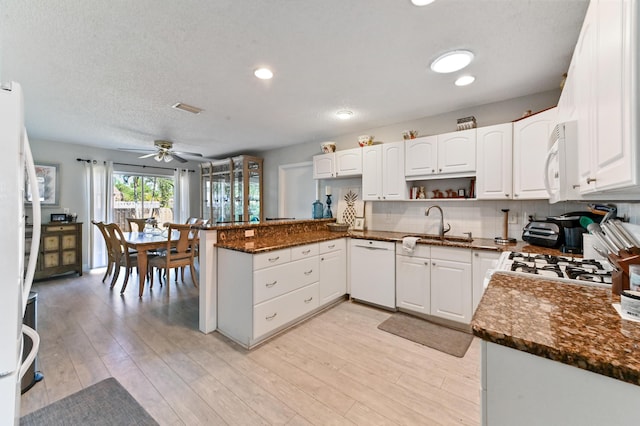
(105, 73)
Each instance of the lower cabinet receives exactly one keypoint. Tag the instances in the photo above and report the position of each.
(333, 270)
(435, 281)
(261, 294)
(60, 249)
(483, 260)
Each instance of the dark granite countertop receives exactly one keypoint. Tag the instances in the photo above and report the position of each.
(568, 323)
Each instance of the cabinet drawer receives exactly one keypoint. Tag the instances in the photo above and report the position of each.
(68, 242)
(270, 315)
(453, 254)
(271, 258)
(51, 260)
(60, 228)
(51, 243)
(332, 245)
(69, 257)
(302, 252)
(271, 282)
(420, 250)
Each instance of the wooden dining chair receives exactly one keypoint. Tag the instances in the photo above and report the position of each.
(179, 256)
(123, 256)
(111, 261)
(140, 223)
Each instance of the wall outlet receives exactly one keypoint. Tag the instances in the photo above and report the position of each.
(65, 210)
(513, 218)
(249, 233)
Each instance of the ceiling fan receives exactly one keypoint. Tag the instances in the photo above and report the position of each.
(164, 152)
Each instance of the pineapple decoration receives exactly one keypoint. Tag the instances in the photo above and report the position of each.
(349, 213)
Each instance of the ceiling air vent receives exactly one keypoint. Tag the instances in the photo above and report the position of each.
(188, 108)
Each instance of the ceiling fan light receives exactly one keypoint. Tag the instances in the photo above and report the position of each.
(167, 158)
(452, 61)
(158, 156)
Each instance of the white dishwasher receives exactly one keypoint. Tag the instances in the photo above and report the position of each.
(373, 272)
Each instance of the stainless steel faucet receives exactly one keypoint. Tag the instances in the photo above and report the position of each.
(441, 230)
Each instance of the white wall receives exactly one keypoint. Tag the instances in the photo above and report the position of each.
(73, 190)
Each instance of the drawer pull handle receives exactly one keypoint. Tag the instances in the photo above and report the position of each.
(269, 285)
(306, 251)
(331, 246)
(308, 272)
(308, 300)
(270, 317)
(273, 259)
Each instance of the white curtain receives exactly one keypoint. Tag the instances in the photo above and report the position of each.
(99, 178)
(181, 195)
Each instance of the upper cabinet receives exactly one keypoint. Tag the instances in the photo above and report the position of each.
(494, 162)
(337, 164)
(451, 154)
(605, 71)
(530, 144)
(383, 172)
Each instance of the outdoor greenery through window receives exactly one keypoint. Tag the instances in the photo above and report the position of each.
(140, 196)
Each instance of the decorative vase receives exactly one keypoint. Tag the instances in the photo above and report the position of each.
(317, 210)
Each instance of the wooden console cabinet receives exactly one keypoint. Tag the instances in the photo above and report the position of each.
(60, 249)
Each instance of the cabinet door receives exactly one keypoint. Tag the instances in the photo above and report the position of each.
(451, 290)
(349, 162)
(413, 284)
(457, 152)
(530, 145)
(372, 172)
(482, 261)
(323, 166)
(421, 156)
(394, 185)
(612, 153)
(333, 276)
(494, 162)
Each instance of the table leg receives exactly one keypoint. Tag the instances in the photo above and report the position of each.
(142, 269)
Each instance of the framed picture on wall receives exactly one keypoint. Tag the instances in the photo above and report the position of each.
(47, 176)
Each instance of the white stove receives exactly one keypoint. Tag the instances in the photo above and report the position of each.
(561, 268)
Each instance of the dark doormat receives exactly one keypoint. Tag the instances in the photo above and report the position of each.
(444, 339)
(105, 403)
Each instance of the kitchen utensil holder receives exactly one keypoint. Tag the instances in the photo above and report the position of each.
(620, 278)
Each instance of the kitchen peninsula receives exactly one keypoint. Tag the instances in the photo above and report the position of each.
(556, 353)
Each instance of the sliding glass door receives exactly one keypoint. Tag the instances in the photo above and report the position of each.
(142, 196)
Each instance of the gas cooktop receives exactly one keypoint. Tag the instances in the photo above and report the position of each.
(563, 268)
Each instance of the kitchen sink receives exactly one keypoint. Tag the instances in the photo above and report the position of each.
(451, 238)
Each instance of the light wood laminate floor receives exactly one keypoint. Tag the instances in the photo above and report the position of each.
(336, 368)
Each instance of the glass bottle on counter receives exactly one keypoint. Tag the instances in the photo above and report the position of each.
(318, 210)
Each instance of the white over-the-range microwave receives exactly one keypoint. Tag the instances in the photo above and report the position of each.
(558, 167)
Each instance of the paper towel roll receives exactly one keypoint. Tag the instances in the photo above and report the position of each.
(588, 242)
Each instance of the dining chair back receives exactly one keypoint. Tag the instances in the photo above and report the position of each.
(124, 257)
(179, 253)
(111, 261)
(139, 223)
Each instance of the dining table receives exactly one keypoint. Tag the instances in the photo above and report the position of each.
(144, 242)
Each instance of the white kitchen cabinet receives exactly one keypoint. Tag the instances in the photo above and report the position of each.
(345, 163)
(457, 152)
(530, 146)
(519, 388)
(452, 154)
(483, 261)
(333, 270)
(413, 279)
(383, 172)
(261, 294)
(421, 156)
(607, 98)
(372, 272)
(451, 292)
(494, 161)
(324, 166)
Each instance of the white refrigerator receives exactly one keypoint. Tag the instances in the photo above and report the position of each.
(16, 162)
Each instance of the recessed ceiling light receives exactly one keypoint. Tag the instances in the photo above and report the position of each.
(263, 73)
(452, 61)
(422, 2)
(465, 80)
(187, 108)
(344, 114)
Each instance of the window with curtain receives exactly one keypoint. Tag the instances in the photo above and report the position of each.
(143, 196)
